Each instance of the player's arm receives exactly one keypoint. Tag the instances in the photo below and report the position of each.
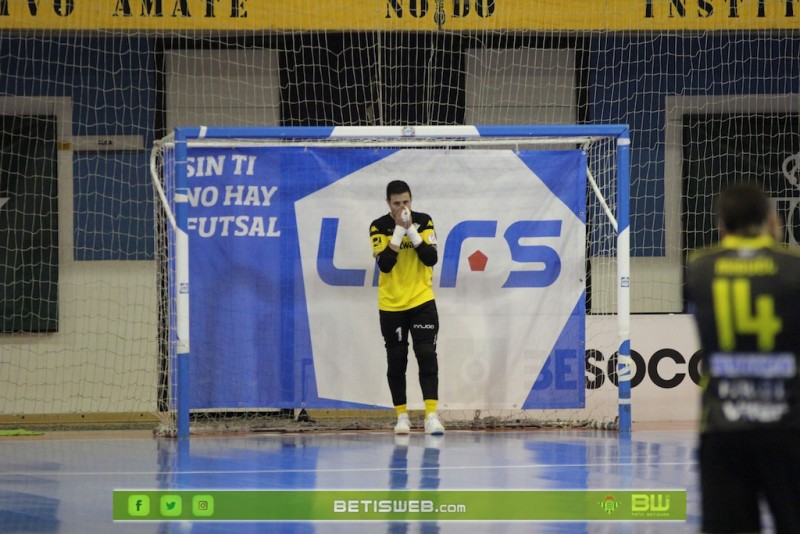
(427, 254)
(425, 243)
(386, 259)
(384, 249)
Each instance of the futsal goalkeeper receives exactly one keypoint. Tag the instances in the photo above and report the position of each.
(404, 246)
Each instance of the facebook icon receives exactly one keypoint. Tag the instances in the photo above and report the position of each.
(138, 505)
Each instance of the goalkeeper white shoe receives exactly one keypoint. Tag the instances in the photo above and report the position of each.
(433, 426)
(403, 425)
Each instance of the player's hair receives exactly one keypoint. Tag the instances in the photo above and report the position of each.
(743, 209)
(397, 187)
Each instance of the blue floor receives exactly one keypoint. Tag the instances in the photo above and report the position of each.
(65, 485)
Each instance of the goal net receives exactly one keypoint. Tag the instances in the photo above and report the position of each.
(709, 93)
(271, 288)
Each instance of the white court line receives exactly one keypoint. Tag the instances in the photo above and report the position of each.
(342, 470)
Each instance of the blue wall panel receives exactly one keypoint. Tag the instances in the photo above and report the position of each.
(113, 85)
(630, 77)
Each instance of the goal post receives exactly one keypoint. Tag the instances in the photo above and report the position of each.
(519, 243)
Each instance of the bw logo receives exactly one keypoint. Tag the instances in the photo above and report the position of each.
(649, 502)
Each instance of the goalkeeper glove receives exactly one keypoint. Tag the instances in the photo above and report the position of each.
(414, 236)
(397, 236)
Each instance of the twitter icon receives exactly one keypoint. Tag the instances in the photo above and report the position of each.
(171, 505)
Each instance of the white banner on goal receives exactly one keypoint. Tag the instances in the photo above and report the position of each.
(509, 283)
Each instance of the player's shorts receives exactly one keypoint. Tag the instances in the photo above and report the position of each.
(422, 322)
(739, 468)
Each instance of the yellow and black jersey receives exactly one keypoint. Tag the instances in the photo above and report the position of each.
(405, 279)
(745, 295)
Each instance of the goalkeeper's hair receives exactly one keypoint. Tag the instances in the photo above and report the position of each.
(397, 187)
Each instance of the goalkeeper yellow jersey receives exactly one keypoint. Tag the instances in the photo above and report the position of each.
(409, 283)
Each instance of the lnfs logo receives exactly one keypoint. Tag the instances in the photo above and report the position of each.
(515, 234)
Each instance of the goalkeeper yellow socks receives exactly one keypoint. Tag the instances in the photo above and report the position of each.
(430, 406)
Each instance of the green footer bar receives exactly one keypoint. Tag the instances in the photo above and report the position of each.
(400, 505)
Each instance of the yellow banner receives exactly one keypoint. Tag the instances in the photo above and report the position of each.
(417, 15)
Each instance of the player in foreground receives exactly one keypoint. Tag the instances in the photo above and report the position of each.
(404, 245)
(745, 295)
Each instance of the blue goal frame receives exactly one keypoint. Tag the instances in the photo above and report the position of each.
(182, 136)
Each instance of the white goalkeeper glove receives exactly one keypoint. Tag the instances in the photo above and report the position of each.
(414, 236)
(397, 236)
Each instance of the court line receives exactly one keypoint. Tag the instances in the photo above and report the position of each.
(341, 470)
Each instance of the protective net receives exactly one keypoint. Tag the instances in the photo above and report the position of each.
(86, 88)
